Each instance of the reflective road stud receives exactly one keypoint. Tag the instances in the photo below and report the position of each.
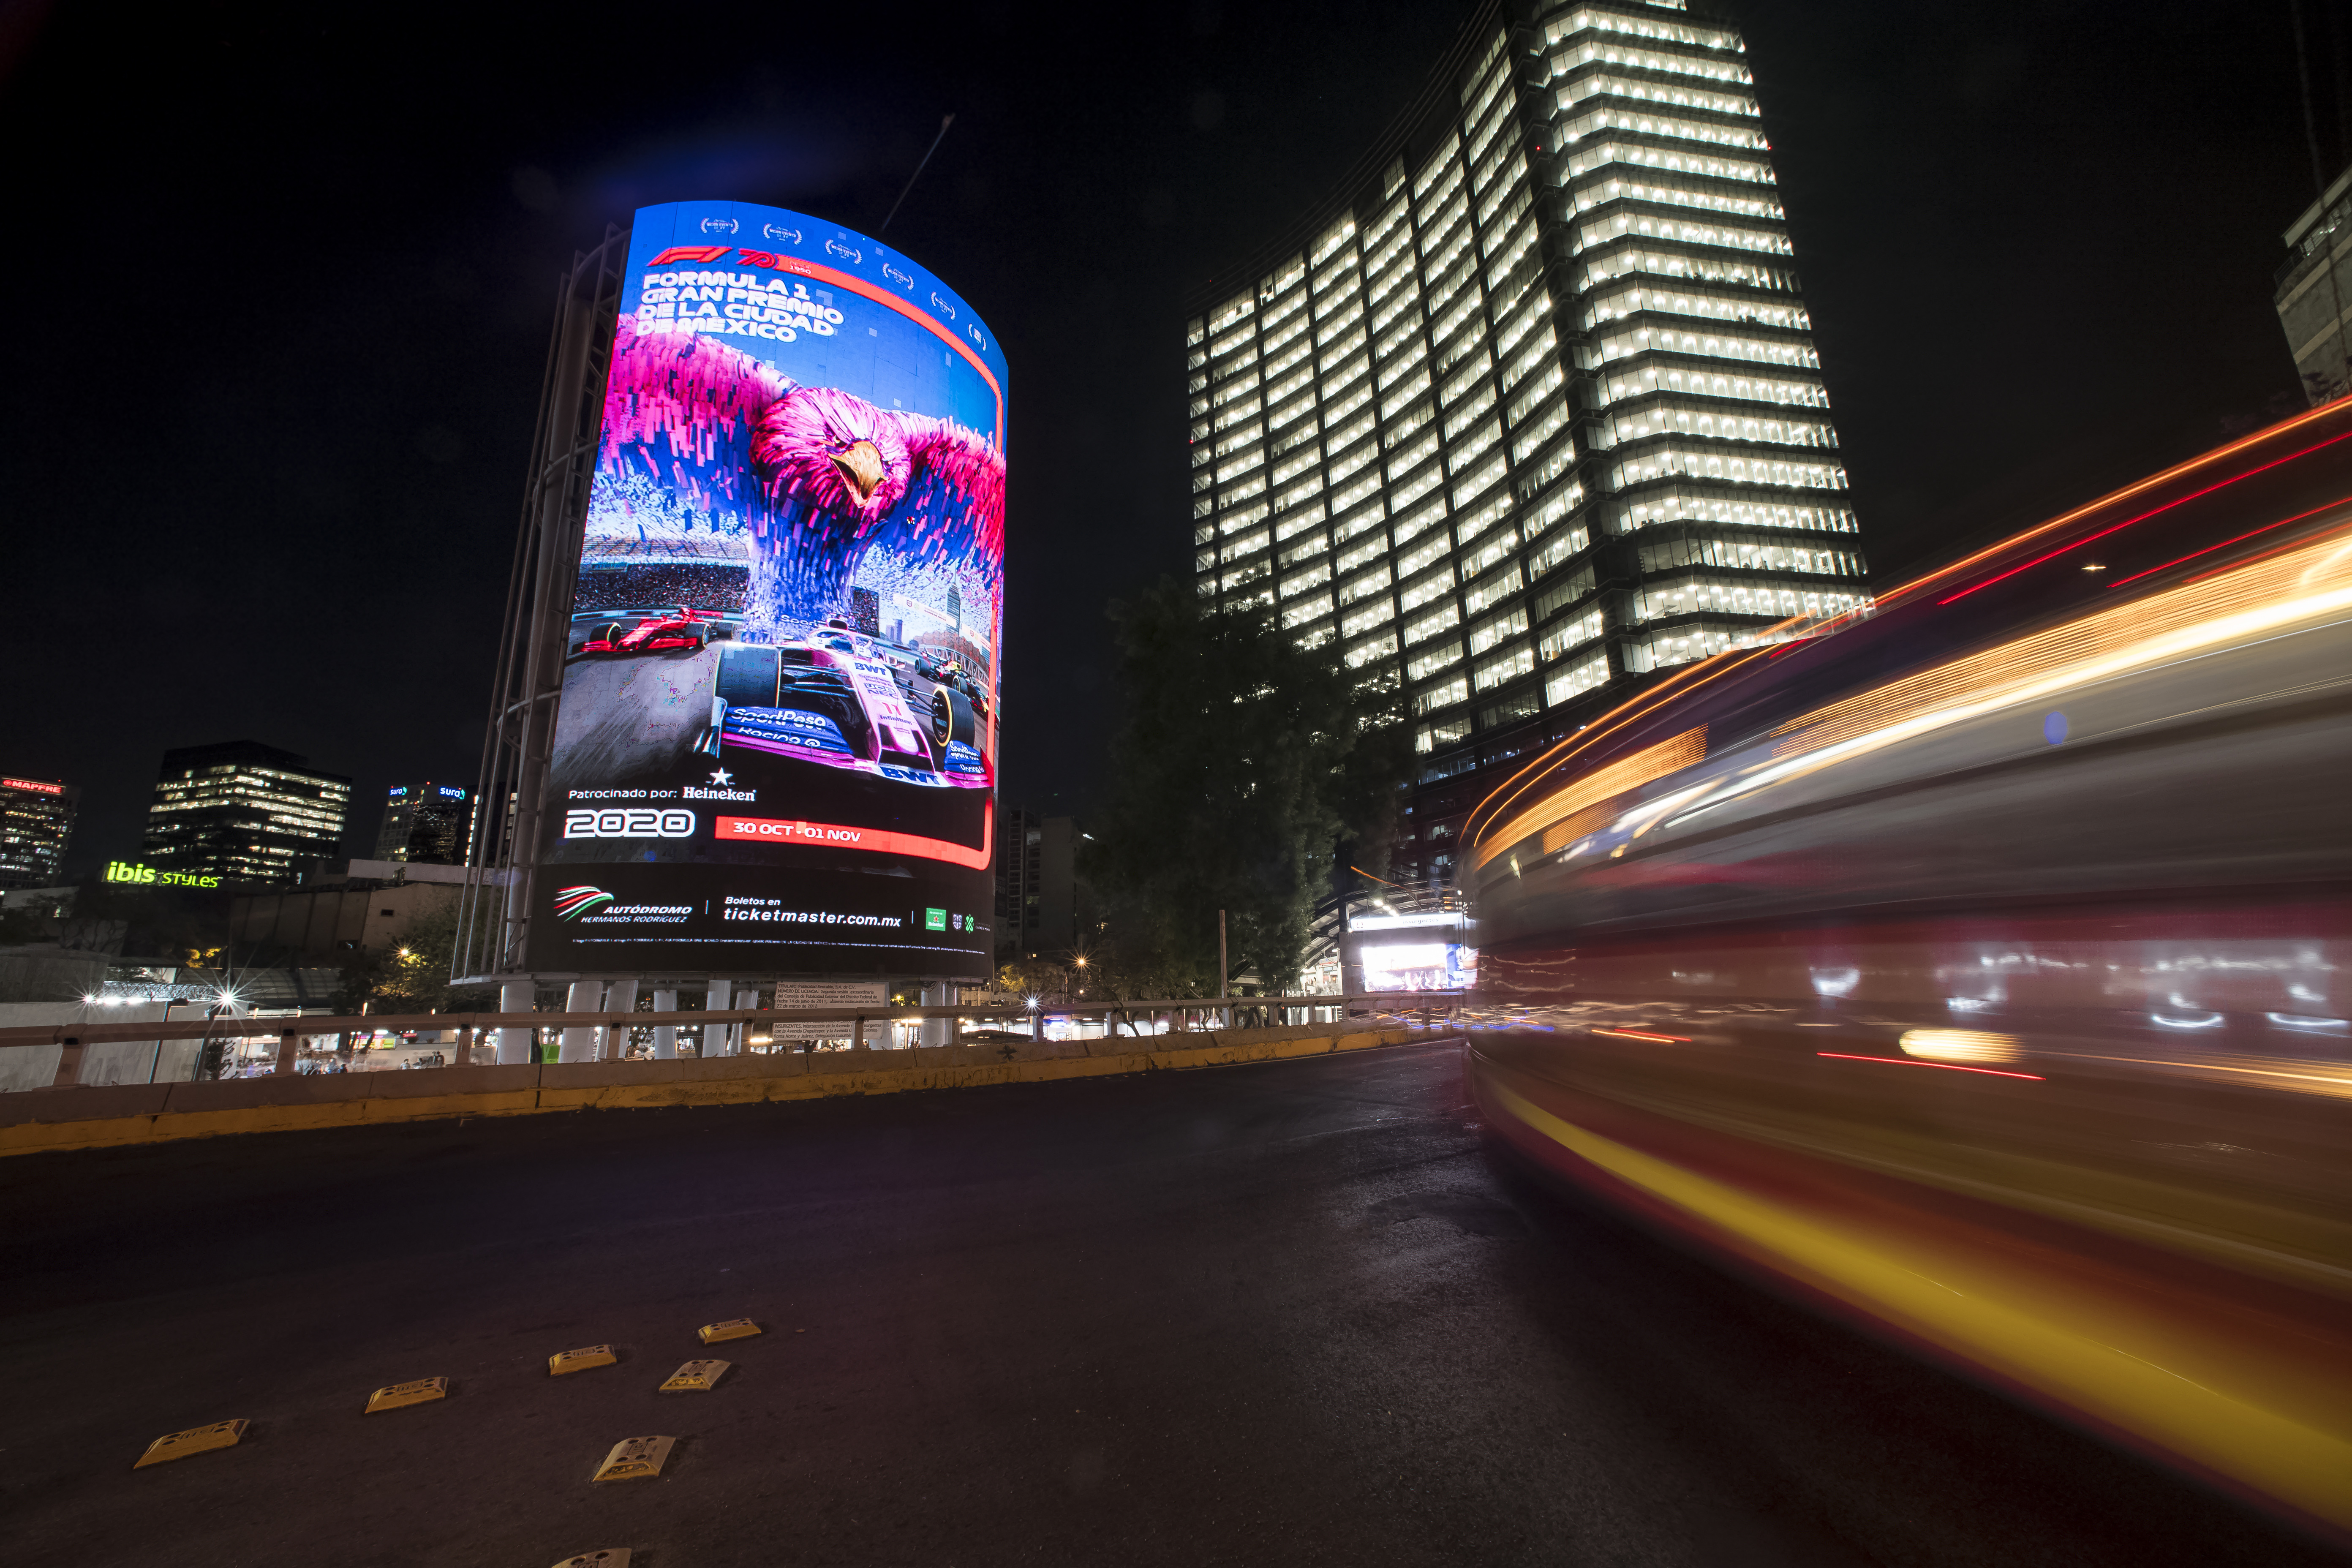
(579, 1360)
(400, 1393)
(196, 1440)
(635, 1460)
(695, 1376)
(616, 1558)
(732, 1329)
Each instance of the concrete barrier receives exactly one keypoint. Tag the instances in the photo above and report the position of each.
(112, 1117)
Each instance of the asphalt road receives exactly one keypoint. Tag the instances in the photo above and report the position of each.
(1283, 1314)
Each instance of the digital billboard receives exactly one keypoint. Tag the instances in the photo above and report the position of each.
(1428, 952)
(776, 745)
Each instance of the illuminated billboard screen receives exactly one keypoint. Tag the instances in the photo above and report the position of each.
(777, 744)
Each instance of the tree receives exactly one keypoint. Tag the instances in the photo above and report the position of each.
(414, 976)
(1246, 772)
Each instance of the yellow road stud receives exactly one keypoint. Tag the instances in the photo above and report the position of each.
(695, 1376)
(196, 1440)
(579, 1360)
(618, 1557)
(416, 1393)
(732, 1329)
(635, 1460)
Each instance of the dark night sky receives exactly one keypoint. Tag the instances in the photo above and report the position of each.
(283, 290)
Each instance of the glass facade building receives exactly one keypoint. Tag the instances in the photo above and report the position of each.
(37, 817)
(1036, 883)
(2312, 292)
(426, 825)
(244, 812)
(1531, 409)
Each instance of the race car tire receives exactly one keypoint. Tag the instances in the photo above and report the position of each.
(746, 677)
(952, 717)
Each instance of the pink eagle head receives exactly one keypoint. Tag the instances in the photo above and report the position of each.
(835, 453)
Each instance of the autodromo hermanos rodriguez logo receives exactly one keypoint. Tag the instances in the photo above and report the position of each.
(570, 903)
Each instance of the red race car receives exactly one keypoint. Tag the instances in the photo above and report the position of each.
(668, 629)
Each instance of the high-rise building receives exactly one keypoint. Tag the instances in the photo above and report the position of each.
(426, 824)
(244, 812)
(2312, 292)
(1530, 409)
(1037, 884)
(37, 817)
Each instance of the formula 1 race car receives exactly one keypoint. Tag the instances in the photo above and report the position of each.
(682, 627)
(827, 700)
(943, 666)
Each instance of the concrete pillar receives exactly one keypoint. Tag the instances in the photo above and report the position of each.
(514, 1045)
(719, 998)
(621, 997)
(740, 1037)
(938, 1031)
(579, 1039)
(666, 1034)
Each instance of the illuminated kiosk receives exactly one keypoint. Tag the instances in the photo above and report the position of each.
(744, 724)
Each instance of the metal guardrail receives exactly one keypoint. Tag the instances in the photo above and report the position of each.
(1185, 1014)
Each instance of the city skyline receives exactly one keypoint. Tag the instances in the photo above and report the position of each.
(1956, 213)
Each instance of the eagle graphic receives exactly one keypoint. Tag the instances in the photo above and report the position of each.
(819, 476)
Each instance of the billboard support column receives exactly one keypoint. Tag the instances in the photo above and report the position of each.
(514, 1044)
(579, 1039)
(716, 999)
(666, 1034)
(738, 1038)
(621, 997)
(938, 1031)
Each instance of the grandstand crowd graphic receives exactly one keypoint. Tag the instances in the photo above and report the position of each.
(780, 689)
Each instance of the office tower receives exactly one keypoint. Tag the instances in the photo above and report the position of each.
(2312, 290)
(426, 824)
(1037, 884)
(37, 817)
(244, 812)
(1019, 836)
(1530, 410)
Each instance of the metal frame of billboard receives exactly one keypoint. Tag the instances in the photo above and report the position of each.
(501, 864)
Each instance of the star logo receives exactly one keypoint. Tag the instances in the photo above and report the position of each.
(722, 777)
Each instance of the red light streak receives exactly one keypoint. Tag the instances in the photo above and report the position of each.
(2168, 506)
(1946, 1066)
(1895, 595)
(1639, 1034)
(2225, 544)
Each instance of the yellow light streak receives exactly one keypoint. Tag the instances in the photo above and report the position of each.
(2200, 1394)
(1667, 756)
(2211, 611)
(1959, 1046)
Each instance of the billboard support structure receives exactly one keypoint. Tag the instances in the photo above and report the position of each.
(494, 912)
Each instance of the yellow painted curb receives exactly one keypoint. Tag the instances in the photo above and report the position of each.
(1232, 1048)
